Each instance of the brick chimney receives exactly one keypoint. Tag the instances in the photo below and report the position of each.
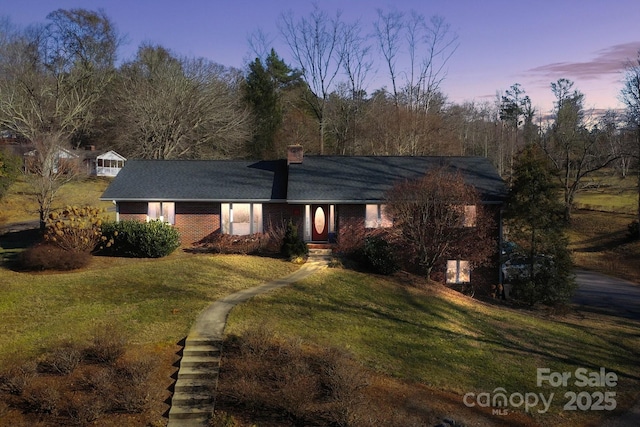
(295, 154)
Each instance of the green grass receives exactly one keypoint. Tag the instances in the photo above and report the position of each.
(609, 193)
(19, 205)
(437, 337)
(155, 301)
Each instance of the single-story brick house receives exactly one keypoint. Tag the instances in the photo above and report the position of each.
(323, 194)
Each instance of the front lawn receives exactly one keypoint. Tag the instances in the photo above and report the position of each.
(155, 301)
(432, 336)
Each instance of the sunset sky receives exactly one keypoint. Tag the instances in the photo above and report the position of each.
(501, 42)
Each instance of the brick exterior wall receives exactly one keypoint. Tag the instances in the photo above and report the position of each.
(196, 221)
(132, 211)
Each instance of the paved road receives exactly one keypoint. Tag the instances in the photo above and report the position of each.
(607, 294)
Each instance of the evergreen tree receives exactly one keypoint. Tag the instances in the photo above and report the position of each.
(535, 220)
(264, 86)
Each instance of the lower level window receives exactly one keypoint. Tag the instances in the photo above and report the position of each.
(241, 219)
(458, 271)
(164, 211)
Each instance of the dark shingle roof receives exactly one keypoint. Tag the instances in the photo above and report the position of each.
(329, 179)
(199, 180)
(364, 179)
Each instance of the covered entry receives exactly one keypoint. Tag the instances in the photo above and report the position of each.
(319, 222)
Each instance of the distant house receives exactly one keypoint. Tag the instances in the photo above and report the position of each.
(63, 161)
(87, 161)
(324, 195)
(109, 164)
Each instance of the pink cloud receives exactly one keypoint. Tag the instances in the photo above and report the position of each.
(606, 62)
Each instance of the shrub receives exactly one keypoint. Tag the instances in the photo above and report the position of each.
(108, 344)
(267, 374)
(42, 398)
(45, 256)
(292, 244)
(378, 256)
(231, 244)
(75, 229)
(62, 360)
(153, 239)
(15, 378)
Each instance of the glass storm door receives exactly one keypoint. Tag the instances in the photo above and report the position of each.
(319, 223)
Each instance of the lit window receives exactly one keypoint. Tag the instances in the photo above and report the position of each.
(241, 219)
(164, 211)
(376, 217)
(458, 271)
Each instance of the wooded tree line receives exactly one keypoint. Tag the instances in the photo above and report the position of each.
(61, 85)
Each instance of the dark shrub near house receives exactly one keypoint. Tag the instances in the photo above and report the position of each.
(153, 239)
(378, 256)
(292, 245)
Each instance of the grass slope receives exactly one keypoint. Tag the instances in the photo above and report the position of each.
(19, 205)
(155, 301)
(434, 336)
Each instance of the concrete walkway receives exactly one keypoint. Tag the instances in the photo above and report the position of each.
(193, 399)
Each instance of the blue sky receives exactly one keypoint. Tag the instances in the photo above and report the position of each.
(501, 42)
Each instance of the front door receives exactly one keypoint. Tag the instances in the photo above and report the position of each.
(319, 223)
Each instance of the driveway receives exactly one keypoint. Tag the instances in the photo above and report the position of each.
(601, 293)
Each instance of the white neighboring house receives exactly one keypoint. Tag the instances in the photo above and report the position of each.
(109, 163)
(64, 160)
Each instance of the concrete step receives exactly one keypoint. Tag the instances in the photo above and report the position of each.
(199, 372)
(325, 252)
(193, 422)
(199, 361)
(201, 350)
(191, 399)
(195, 385)
(200, 413)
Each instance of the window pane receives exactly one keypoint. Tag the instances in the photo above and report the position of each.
(153, 210)
(470, 216)
(452, 271)
(240, 219)
(257, 218)
(464, 272)
(169, 212)
(225, 223)
(371, 216)
(385, 219)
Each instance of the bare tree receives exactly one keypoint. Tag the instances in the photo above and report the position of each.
(51, 80)
(439, 216)
(388, 31)
(350, 97)
(180, 108)
(573, 150)
(429, 46)
(315, 42)
(630, 95)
